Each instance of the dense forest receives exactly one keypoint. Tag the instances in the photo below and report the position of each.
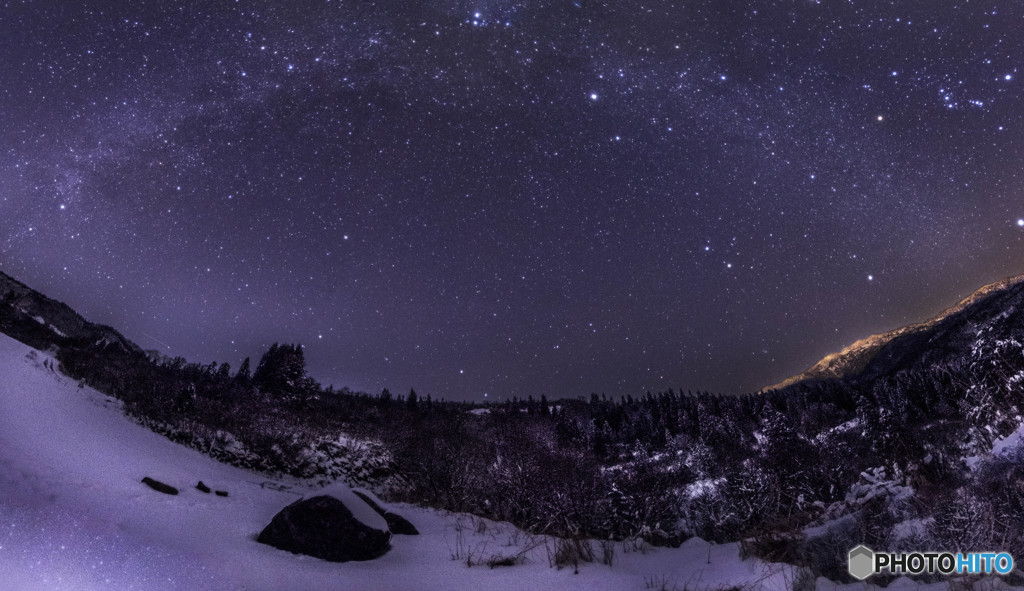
(900, 460)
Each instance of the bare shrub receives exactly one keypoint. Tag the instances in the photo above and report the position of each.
(607, 552)
(771, 546)
(660, 583)
(826, 555)
(498, 560)
(570, 551)
(456, 547)
(636, 545)
(804, 580)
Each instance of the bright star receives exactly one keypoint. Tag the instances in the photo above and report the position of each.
(871, 277)
(593, 96)
(1020, 223)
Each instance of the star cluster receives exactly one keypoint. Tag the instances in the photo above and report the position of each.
(512, 198)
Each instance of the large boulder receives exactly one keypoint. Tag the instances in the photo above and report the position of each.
(396, 523)
(325, 528)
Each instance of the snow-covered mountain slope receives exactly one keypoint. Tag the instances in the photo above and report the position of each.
(20, 306)
(881, 353)
(74, 515)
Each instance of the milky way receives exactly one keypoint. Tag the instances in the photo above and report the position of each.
(509, 199)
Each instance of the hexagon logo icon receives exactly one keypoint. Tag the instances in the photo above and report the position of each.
(861, 562)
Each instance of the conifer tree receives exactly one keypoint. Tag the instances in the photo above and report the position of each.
(244, 373)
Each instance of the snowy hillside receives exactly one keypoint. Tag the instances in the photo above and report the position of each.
(74, 515)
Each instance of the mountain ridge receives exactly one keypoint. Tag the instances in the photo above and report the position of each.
(857, 356)
(44, 321)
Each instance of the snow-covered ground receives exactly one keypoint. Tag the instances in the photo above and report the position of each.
(74, 515)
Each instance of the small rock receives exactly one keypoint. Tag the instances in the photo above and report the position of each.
(203, 487)
(159, 486)
(221, 493)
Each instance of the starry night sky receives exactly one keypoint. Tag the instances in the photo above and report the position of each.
(512, 198)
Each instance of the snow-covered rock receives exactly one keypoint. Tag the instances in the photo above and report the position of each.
(325, 527)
